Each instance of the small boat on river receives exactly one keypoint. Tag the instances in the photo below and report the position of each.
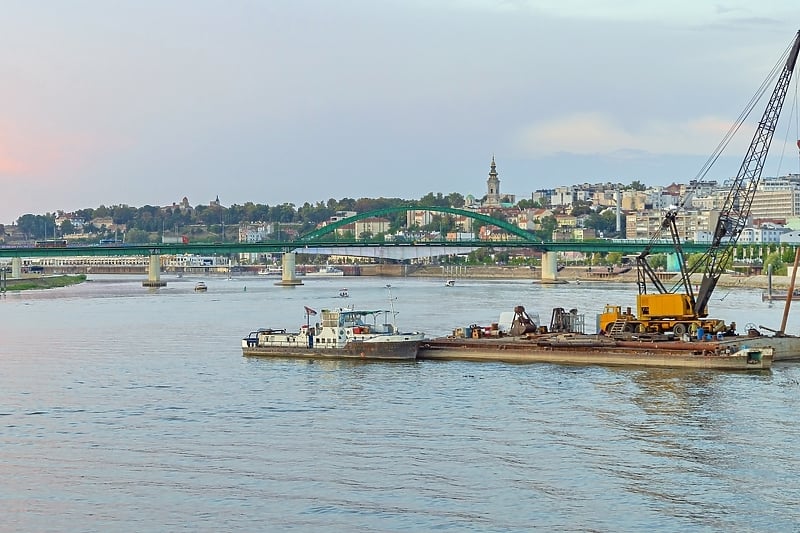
(341, 334)
(326, 271)
(270, 271)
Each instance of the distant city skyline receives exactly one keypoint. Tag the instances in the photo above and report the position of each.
(287, 102)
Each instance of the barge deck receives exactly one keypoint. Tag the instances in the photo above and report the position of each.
(583, 349)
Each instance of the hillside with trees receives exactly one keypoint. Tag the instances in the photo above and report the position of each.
(214, 222)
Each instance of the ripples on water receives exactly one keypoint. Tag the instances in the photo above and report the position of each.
(129, 410)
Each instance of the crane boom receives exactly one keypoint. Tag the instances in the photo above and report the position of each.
(679, 311)
(736, 208)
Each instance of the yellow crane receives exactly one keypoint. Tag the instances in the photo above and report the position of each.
(678, 309)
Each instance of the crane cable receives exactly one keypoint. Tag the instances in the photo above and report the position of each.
(793, 113)
(776, 69)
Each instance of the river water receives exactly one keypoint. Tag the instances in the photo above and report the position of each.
(128, 409)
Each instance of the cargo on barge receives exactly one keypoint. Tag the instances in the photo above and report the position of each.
(523, 340)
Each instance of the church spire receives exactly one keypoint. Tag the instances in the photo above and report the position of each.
(493, 185)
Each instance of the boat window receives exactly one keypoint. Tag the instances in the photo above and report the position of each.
(330, 319)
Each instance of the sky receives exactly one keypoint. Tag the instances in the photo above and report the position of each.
(144, 102)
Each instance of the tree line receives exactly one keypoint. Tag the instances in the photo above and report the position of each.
(142, 221)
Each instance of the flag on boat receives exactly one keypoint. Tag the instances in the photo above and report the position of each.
(310, 311)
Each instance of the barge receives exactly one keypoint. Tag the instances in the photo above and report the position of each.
(522, 340)
(582, 349)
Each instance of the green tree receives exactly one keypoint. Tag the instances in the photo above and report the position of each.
(67, 228)
(90, 228)
(122, 214)
(85, 214)
(283, 213)
(433, 200)
(481, 256)
(441, 223)
(581, 208)
(547, 225)
(455, 199)
(605, 222)
(614, 258)
(36, 226)
(527, 203)
(137, 236)
(658, 261)
(774, 259)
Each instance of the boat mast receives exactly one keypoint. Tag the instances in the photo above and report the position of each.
(391, 305)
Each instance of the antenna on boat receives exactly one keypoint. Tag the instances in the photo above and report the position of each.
(391, 304)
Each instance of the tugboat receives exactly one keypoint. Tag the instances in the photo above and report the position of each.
(340, 334)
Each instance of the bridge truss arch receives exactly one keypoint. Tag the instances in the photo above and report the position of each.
(521, 234)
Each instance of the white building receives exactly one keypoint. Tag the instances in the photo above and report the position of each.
(255, 232)
(767, 234)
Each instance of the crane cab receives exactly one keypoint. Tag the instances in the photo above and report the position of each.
(660, 306)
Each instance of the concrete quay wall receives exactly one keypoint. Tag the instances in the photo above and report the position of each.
(568, 274)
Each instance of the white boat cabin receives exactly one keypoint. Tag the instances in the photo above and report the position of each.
(336, 328)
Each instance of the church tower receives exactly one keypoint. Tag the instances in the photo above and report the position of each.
(493, 186)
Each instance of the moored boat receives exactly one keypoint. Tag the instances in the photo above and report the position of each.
(270, 271)
(341, 334)
(326, 270)
(779, 296)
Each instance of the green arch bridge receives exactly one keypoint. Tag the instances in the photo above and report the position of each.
(326, 237)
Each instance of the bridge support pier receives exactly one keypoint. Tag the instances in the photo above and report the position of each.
(549, 268)
(154, 273)
(16, 267)
(288, 276)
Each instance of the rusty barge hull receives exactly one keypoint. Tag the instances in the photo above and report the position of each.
(595, 350)
(372, 351)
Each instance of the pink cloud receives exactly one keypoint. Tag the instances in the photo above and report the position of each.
(49, 157)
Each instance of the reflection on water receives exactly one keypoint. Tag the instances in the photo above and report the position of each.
(130, 410)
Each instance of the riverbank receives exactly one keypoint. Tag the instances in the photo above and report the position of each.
(580, 275)
(44, 282)
(569, 274)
